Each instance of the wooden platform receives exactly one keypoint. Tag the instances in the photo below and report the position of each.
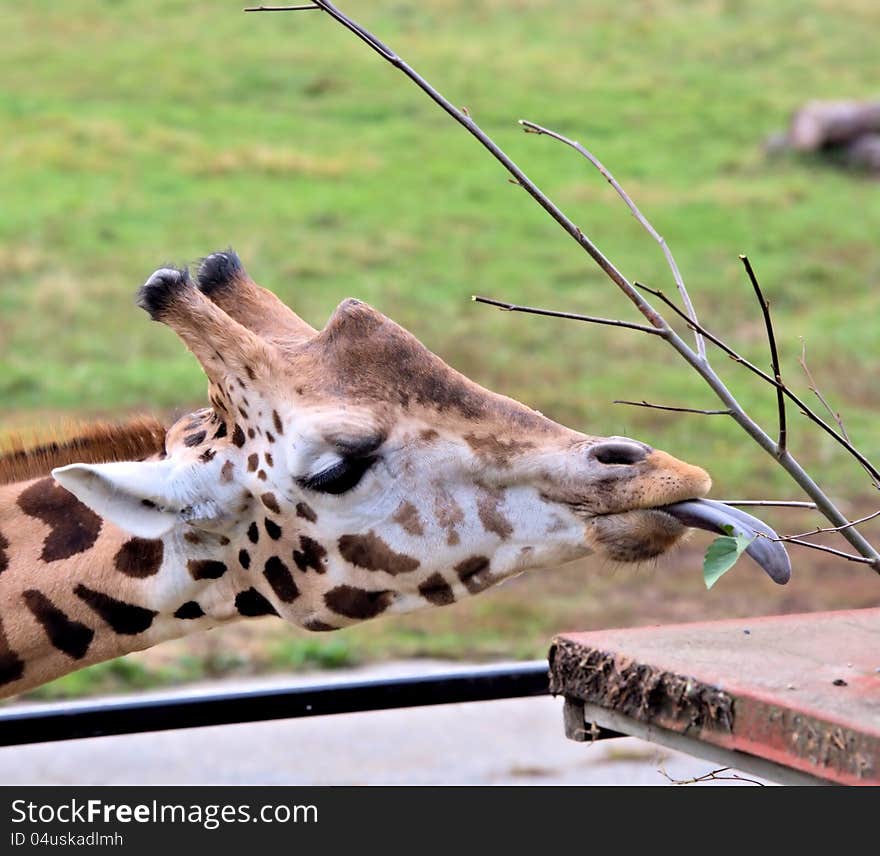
(797, 693)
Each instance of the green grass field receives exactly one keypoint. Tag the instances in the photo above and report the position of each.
(136, 134)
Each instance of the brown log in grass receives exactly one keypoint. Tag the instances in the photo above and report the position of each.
(819, 124)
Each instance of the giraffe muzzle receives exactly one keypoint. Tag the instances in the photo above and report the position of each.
(715, 516)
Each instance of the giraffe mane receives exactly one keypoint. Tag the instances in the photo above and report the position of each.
(27, 456)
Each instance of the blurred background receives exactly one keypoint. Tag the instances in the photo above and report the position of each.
(137, 134)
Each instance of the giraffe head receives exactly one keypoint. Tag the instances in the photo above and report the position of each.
(349, 471)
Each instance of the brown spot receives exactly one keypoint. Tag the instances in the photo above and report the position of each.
(126, 619)
(253, 460)
(371, 552)
(250, 373)
(4, 559)
(317, 626)
(474, 573)
(270, 436)
(407, 517)
(11, 665)
(253, 532)
(310, 555)
(75, 528)
(357, 602)
(429, 435)
(205, 569)
(244, 414)
(436, 590)
(251, 433)
(226, 472)
(220, 432)
(189, 610)
(192, 537)
(489, 508)
(238, 436)
(497, 450)
(139, 557)
(279, 577)
(71, 637)
(276, 421)
(306, 512)
(207, 456)
(194, 439)
(252, 604)
(261, 475)
(448, 514)
(273, 530)
(269, 461)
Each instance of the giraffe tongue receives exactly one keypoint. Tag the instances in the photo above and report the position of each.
(716, 517)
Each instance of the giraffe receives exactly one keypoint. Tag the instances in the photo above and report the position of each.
(338, 475)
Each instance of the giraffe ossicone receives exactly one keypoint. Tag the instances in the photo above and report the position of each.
(338, 474)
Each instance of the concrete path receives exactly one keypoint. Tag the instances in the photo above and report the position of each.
(517, 741)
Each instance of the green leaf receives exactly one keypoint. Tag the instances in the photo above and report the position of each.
(722, 555)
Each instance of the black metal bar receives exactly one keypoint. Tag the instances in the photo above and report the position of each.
(73, 720)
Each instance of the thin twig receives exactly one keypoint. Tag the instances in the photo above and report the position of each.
(775, 503)
(712, 776)
(700, 365)
(801, 404)
(674, 409)
(307, 8)
(774, 354)
(834, 414)
(532, 128)
(818, 531)
(850, 557)
(513, 307)
(811, 385)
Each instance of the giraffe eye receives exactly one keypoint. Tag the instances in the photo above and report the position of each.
(340, 478)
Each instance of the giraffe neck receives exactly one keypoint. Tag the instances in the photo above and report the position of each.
(76, 590)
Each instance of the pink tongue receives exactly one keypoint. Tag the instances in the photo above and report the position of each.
(716, 516)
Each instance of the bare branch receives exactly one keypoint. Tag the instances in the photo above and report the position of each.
(802, 406)
(532, 128)
(674, 409)
(775, 503)
(811, 385)
(307, 8)
(850, 557)
(611, 322)
(818, 531)
(835, 415)
(774, 354)
(712, 776)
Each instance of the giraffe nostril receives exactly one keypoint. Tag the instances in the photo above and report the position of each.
(619, 452)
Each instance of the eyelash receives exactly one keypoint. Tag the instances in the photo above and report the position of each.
(340, 478)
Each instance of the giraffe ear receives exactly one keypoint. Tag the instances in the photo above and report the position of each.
(139, 497)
